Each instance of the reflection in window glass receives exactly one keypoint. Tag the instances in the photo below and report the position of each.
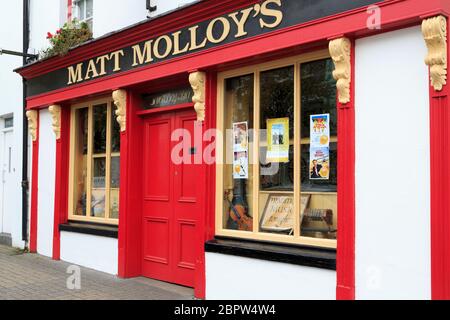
(96, 163)
(277, 151)
(318, 96)
(238, 172)
(81, 148)
(100, 116)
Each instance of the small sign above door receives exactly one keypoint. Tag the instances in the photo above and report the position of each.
(167, 98)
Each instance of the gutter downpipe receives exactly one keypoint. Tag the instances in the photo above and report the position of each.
(25, 181)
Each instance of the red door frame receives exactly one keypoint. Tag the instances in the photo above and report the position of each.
(396, 14)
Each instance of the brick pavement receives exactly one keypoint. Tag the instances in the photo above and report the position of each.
(25, 276)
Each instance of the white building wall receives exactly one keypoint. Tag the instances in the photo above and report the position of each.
(238, 278)
(392, 167)
(112, 15)
(12, 104)
(46, 184)
(98, 253)
(44, 17)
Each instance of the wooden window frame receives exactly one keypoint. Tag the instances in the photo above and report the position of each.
(256, 234)
(90, 157)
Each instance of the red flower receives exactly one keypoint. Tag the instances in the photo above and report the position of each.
(58, 31)
(49, 35)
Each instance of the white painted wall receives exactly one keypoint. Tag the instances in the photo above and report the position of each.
(238, 278)
(111, 15)
(392, 167)
(98, 253)
(11, 104)
(167, 5)
(44, 17)
(46, 184)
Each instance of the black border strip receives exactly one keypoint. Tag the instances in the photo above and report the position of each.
(93, 229)
(292, 254)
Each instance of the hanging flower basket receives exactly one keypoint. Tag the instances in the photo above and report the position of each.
(70, 35)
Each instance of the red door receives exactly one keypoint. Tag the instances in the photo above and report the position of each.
(171, 206)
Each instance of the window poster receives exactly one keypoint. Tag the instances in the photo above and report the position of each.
(240, 150)
(278, 213)
(319, 165)
(320, 130)
(278, 140)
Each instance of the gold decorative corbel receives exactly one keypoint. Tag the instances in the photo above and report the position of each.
(197, 81)
(434, 32)
(32, 123)
(120, 100)
(55, 111)
(340, 50)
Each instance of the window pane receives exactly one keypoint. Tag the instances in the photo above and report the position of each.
(318, 159)
(100, 116)
(115, 132)
(89, 8)
(115, 184)
(81, 9)
(238, 170)
(98, 187)
(80, 161)
(115, 172)
(276, 198)
(9, 122)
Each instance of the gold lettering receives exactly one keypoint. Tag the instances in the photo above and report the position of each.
(91, 70)
(139, 55)
(116, 55)
(277, 14)
(194, 45)
(226, 30)
(168, 47)
(240, 23)
(176, 44)
(102, 61)
(75, 74)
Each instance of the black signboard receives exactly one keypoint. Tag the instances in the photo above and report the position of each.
(263, 17)
(168, 98)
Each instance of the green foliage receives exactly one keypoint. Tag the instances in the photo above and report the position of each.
(70, 35)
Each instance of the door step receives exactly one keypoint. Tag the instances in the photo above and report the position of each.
(5, 239)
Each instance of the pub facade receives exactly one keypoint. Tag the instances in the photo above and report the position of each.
(271, 149)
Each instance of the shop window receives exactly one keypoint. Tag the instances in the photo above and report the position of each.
(84, 11)
(95, 163)
(278, 181)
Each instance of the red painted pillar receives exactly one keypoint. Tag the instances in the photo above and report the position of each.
(34, 184)
(345, 259)
(206, 223)
(440, 191)
(61, 180)
(130, 201)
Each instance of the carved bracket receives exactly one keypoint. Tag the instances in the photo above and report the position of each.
(32, 123)
(340, 50)
(434, 32)
(55, 111)
(197, 81)
(120, 100)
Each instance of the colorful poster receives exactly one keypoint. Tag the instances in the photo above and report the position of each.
(240, 136)
(320, 130)
(319, 165)
(240, 165)
(240, 150)
(278, 140)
